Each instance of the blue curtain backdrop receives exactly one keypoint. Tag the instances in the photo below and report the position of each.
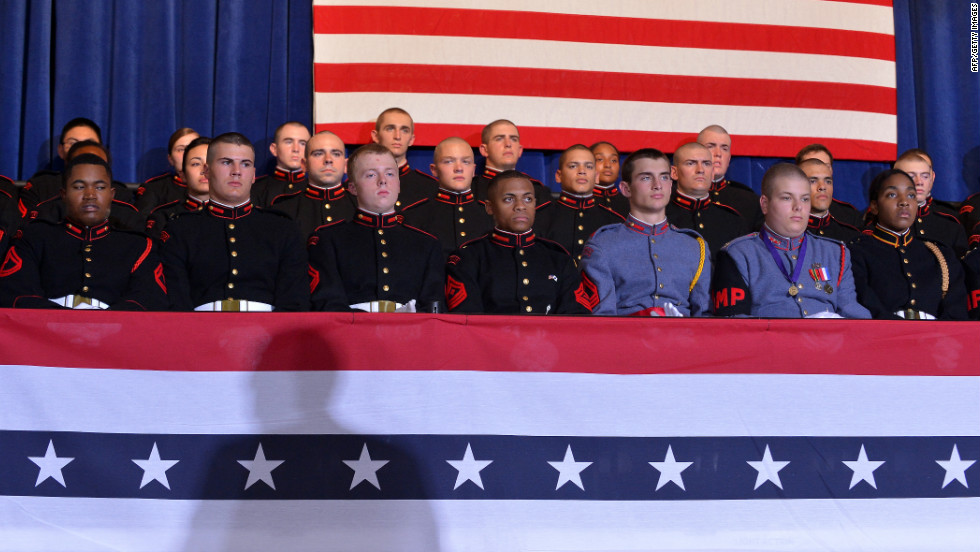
(143, 69)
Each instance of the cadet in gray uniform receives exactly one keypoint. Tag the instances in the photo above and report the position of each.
(645, 266)
(782, 271)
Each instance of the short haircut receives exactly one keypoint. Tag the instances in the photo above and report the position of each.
(306, 151)
(367, 149)
(82, 144)
(603, 142)
(275, 135)
(915, 154)
(646, 153)
(713, 128)
(879, 182)
(233, 138)
(85, 159)
(511, 174)
(780, 171)
(381, 116)
(196, 142)
(687, 146)
(435, 152)
(805, 153)
(488, 130)
(812, 161)
(570, 149)
(177, 135)
(80, 122)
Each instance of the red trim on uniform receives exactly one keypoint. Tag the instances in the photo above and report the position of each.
(146, 252)
(11, 263)
(455, 292)
(159, 277)
(314, 277)
(840, 275)
(587, 293)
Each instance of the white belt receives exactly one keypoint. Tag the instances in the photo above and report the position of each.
(234, 305)
(911, 314)
(79, 302)
(385, 306)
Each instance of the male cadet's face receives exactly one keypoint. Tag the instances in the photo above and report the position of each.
(788, 210)
(375, 182)
(720, 146)
(196, 159)
(290, 147)
(454, 166)
(88, 195)
(577, 172)
(176, 155)
(231, 173)
(821, 179)
(76, 134)
(921, 173)
(606, 164)
(325, 165)
(649, 191)
(512, 205)
(504, 148)
(396, 132)
(692, 170)
(896, 206)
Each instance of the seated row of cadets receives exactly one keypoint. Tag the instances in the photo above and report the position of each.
(231, 256)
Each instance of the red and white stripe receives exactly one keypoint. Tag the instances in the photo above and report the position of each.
(778, 74)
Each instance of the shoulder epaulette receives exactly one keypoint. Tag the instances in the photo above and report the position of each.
(427, 175)
(947, 215)
(120, 202)
(158, 177)
(825, 238)
(844, 224)
(417, 203)
(474, 240)
(543, 205)
(419, 230)
(328, 225)
(844, 203)
(285, 196)
(728, 208)
(739, 185)
(165, 205)
(611, 210)
(687, 231)
(272, 211)
(552, 244)
(749, 236)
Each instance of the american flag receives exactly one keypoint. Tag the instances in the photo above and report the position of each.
(778, 74)
(133, 431)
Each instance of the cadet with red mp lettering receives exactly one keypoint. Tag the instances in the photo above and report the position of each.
(83, 262)
(782, 271)
(510, 270)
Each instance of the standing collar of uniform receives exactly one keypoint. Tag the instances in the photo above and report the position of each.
(179, 181)
(782, 242)
(605, 191)
(374, 220)
(638, 225)
(90, 233)
(332, 194)
(819, 221)
(193, 204)
(924, 208)
(289, 176)
(575, 201)
(226, 212)
(510, 239)
(885, 235)
(690, 203)
(454, 198)
(718, 185)
(404, 169)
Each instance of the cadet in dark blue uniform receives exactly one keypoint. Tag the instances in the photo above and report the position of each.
(728, 192)
(233, 256)
(288, 146)
(454, 216)
(395, 130)
(195, 186)
(822, 221)
(782, 271)
(843, 211)
(82, 262)
(375, 263)
(898, 275)
(10, 218)
(123, 215)
(645, 266)
(607, 189)
(167, 187)
(500, 143)
(510, 270)
(572, 218)
(325, 198)
(692, 207)
(931, 222)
